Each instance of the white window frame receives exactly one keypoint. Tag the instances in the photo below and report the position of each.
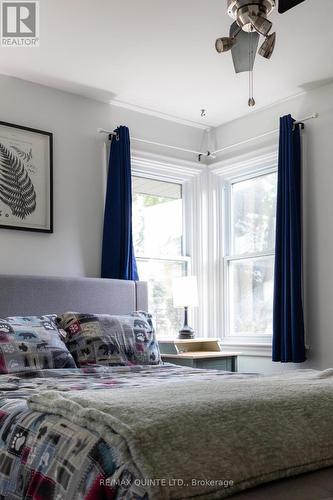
(226, 173)
(230, 256)
(167, 169)
(172, 258)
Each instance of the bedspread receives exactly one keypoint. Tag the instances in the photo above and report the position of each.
(214, 437)
(46, 457)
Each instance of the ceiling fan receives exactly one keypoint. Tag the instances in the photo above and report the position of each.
(251, 22)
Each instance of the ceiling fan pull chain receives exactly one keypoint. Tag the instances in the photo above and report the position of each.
(251, 101)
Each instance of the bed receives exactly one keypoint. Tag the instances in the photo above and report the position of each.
(79, 433)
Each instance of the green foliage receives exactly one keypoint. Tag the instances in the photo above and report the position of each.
(16, 189)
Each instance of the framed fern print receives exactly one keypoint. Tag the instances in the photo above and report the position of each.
(26, 178)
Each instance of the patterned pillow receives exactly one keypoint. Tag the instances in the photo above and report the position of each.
(111, 340)
(32, 343)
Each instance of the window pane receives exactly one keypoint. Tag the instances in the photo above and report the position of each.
(253, 214)
(251, 296)
(160, 275)
(157, 218)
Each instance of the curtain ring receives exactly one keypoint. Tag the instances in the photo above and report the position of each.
(301, 124)
(114, 136)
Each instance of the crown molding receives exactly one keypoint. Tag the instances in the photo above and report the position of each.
(159, 114)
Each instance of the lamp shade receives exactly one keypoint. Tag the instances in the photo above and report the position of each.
(185, 292)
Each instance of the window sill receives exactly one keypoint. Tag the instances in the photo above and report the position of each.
(263, 349)
(258, 349)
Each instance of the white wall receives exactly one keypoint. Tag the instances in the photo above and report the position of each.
(318, 210)
(75, 247)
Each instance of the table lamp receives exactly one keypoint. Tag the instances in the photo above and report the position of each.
(185, 294)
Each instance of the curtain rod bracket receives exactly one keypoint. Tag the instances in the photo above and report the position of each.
(302, 125)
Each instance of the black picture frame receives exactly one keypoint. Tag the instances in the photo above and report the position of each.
(49, 226)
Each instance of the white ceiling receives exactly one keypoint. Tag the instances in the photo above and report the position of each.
(160, 55)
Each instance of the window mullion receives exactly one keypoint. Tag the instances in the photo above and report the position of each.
(249, 256)
(163, 259)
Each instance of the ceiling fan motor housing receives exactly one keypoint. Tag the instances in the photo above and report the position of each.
(243, 11)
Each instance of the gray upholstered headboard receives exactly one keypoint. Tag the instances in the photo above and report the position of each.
(37, 295)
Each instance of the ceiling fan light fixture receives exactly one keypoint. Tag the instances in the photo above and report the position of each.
(250, 22)
(262, 25)
(225, 43)
(267, 48)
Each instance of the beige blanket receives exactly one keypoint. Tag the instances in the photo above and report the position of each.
(210, 434)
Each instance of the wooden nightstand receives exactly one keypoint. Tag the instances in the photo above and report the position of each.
(198, 353)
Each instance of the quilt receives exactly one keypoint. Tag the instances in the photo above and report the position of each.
(47, 457)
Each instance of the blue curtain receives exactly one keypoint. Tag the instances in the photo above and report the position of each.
(288, 321)
(118, 260)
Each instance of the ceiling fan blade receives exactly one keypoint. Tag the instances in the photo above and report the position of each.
(243, 61)
(285, 5)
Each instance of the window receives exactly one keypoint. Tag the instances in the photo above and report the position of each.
(249, 260)
(158, 244)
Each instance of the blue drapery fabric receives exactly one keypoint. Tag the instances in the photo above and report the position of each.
(118, 259)
(288, 321)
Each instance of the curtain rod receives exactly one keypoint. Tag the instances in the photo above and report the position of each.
(208, 154)
(198, 153)
(300, 122)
